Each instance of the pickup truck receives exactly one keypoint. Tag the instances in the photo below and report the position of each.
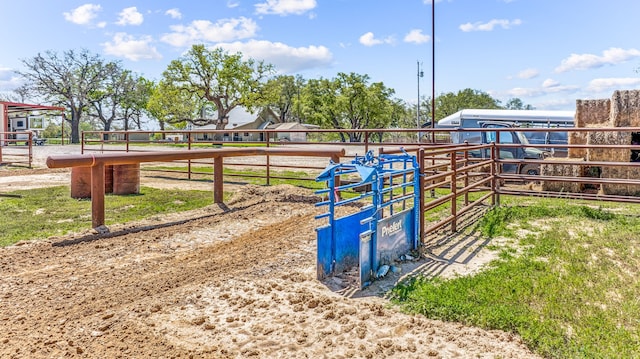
(506, 137)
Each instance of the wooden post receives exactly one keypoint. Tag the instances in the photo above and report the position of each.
(218, 188)
(97, 195)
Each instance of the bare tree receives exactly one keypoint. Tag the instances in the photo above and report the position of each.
(66, 80)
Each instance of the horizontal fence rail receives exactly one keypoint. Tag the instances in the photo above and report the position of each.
(593, 163)
(97, 163)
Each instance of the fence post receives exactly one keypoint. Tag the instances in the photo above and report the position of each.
(30, 134)
(495, 183)
(421, 189)
(366, 141)
(97, 195)
(268, 159)
(454, 191)
(218, 189)
(189, 161)
(466, 175)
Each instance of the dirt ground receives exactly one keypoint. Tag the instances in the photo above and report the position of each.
(229, 281)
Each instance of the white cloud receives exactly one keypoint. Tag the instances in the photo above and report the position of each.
(232, 4)
(206, 31)
(130, 16)
(611, 56)
(285, 58)
(565, 104)
(616, 83)
(369, 39)
(528, 74)
(285, 7)
(524, 92)
(488, 26)
(416, 36)
(174, 13)
(83, 14)
(548, 86)
(129, 47)
(9, 80)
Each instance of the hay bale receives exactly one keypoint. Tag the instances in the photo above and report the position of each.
(621, 172)
(609, 154)
(633, 173)
(625, 108)
(577, 138)
(554, 167)
(593, 113)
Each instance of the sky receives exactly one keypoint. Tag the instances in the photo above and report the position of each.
(548, 53)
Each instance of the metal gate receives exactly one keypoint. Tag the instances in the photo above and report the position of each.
(383, 229)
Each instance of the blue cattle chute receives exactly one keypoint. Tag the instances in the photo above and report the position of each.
(375, 235)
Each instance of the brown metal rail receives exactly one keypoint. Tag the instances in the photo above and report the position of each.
(13, 154)
(97, 162)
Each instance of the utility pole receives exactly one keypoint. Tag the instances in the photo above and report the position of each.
(420, 74)
(433, 70)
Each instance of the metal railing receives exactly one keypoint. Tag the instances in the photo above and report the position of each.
(16, 148)
(596, 168)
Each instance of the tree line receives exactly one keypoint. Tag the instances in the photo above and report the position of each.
(204, 85)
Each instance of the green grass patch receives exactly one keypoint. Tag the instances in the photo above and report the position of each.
(42, 213)
(251, 176)
(569, 287)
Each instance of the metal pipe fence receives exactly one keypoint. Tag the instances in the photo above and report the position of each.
(16, 148)
(593, 164)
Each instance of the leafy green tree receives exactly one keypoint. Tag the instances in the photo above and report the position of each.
(217, 77)
(282, 94)
(517, 104)
(169, 105)
(67, 80)
(348, 102)
(450, 103)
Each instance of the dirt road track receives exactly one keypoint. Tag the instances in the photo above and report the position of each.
(236, 282)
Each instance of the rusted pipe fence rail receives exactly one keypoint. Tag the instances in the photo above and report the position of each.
(16, 148)
(97, 163)
(450, 168)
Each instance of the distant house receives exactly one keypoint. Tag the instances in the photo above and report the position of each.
(240, 120)
(133, 135)
(290, 136)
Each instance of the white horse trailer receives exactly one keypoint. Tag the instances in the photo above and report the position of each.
(474, 118)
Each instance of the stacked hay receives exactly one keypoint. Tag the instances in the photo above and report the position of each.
(554, 167)
(589, 113)
(625, 108)
(609, 139)
(621, 172)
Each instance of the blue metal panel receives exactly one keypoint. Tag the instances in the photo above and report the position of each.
(347, 235)
(339, 252)
(324, 260)
(395, 237)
